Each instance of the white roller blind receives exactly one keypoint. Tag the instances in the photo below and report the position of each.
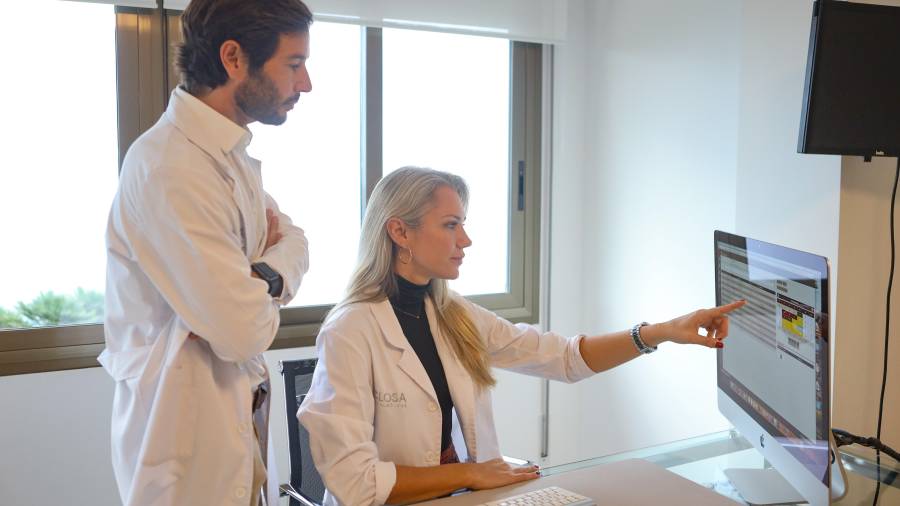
(525, 20)
(149, 4)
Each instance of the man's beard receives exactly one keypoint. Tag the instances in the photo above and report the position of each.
(258, 98)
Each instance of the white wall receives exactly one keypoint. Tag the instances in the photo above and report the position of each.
(568, 164)
(54, 439)
(660, 138)
(782, 196)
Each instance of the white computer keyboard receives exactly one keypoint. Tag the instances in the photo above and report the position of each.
(550, 496)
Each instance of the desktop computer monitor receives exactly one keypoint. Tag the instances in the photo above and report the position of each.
(773, 373)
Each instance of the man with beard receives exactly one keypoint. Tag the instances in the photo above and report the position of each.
(199, 261)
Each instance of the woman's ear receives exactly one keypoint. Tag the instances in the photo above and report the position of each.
(397, 229)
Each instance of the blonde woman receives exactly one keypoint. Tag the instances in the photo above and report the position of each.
(400, 404)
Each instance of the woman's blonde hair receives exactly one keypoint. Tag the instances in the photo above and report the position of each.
(407, 194)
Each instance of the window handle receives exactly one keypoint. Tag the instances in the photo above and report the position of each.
(521, 203)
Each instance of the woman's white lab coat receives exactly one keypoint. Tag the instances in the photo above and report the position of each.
(371, 405)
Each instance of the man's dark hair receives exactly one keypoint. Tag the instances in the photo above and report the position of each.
(256, 25)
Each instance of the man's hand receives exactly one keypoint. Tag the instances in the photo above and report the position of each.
(272, 233)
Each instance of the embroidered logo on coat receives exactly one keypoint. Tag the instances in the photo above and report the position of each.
(390, 399)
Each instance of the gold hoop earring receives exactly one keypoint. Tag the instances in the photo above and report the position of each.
(400, 256)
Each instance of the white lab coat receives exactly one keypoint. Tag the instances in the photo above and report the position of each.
(371, 405)
(186, 223)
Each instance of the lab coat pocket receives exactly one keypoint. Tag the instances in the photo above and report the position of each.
(173, 423)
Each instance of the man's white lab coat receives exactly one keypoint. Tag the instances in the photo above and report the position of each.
(186, 223)
(371, 405)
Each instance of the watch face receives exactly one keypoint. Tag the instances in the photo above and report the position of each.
(265, 272)
(270, 276)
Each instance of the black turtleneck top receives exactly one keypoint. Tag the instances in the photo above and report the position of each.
(409, 306)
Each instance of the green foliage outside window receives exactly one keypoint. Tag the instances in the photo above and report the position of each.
(11, 320)
(51, 309)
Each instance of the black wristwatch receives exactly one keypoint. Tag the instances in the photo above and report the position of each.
(270, 276)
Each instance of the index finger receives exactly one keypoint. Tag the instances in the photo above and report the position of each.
(727, 308)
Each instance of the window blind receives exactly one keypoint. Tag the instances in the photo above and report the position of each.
(541, 21)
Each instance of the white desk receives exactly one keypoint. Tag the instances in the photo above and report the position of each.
(701, 460)
(633, 482)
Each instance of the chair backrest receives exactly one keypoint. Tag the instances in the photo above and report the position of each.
(304, 476)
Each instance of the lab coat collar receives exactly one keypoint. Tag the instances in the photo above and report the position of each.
(204, 126)
(408, 362)
(216, 135)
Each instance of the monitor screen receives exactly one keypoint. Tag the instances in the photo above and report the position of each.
(851, 102)
(774, 368)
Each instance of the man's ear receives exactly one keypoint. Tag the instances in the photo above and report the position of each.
(397, 229)
(233, 59)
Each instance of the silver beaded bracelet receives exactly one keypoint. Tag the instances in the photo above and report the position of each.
(638, 342)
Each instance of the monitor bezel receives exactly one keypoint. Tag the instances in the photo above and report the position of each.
(806, 483)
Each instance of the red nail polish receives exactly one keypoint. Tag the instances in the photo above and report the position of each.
(720, 344)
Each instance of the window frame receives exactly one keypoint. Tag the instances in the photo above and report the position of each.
(146, 74)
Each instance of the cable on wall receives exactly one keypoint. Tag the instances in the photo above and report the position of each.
(887, 328)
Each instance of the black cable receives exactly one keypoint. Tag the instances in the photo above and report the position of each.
(844, 438)
(887, 328)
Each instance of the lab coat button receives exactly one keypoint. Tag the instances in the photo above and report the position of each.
(432, 407)
(240, 492)
(242, 428)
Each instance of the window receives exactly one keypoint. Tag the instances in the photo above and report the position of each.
(429, 112)
(79, 117)
(311, 163)
(60, 173)
(382, 98)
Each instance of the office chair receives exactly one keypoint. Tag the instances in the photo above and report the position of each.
(306, 487)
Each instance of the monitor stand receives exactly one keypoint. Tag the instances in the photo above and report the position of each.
(766, 487)
(763, 487)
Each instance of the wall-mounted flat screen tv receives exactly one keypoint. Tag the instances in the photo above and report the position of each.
(851, 98)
